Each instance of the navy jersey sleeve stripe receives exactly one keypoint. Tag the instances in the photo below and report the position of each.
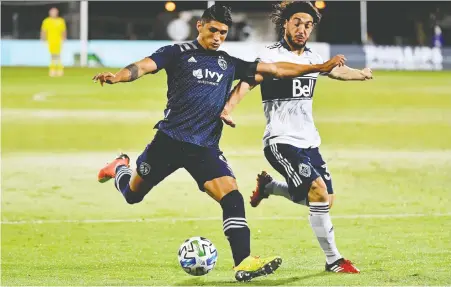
(186, 46)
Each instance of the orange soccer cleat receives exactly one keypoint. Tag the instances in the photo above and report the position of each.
(259, 194)
(109, 171)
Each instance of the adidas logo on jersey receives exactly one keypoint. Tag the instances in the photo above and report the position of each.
(192, 60)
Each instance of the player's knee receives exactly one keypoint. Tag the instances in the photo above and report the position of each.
(318, 191)
(220, 187)
(132, 197)
(133, 200)
(331, 200)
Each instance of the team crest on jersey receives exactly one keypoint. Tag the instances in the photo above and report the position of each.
(144, 168)
(222, 63)
(160, 50)
(305, 170)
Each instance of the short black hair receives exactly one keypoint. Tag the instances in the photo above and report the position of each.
(284, 10)
(218, 13)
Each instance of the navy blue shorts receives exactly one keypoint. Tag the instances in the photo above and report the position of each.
(164, 155)
(300, 167)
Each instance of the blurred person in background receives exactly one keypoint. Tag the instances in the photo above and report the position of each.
(438, 37)
(53, 30)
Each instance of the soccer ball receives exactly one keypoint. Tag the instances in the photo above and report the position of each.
(197, 256)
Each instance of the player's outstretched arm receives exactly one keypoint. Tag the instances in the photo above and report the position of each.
(64, 33)
(238, 93)
(44, 30)
(127, 74)
(283, 70)
(345, 73)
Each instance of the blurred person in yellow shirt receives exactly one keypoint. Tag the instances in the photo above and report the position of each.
(53, 30)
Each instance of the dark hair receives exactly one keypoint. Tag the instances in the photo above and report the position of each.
(284, 10)
(218, 13)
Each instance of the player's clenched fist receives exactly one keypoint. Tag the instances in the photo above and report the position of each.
(338, 60)
(106, 77)
(368, 73)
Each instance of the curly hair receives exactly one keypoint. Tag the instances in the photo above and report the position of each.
(283, 11)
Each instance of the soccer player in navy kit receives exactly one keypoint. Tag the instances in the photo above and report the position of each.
(199, 82)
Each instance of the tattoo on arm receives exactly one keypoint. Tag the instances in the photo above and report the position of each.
(133, 69)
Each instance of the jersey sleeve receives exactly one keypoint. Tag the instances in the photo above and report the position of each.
(264, 56)
(320, 59)
(165, 56)
(244, 70)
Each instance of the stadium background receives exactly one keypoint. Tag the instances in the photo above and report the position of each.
(387, 143)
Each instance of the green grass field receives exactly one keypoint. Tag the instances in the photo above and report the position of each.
(387, 143)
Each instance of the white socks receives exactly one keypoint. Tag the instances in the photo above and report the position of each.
(280, 188)
(322, 226)
(319, 220)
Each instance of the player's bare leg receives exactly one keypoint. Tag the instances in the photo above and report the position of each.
(321, 224)
(59, 69)
(225, 191)
(331, 200)
(53, 65)
(220, 187)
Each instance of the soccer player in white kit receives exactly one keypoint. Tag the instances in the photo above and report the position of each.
(291, 139)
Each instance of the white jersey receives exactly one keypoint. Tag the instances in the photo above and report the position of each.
(288, 102)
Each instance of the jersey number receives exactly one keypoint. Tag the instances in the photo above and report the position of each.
(326, 173)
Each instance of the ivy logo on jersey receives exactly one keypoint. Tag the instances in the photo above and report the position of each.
(305, 170)
(209, 77)
(144, 168)
(222, 63)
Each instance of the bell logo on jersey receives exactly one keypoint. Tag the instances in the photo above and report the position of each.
(302, 88)
(208, 76)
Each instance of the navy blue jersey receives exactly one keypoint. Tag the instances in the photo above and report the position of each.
(199, 84)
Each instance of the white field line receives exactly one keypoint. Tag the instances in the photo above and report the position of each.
(184, 219)
(42, 96)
